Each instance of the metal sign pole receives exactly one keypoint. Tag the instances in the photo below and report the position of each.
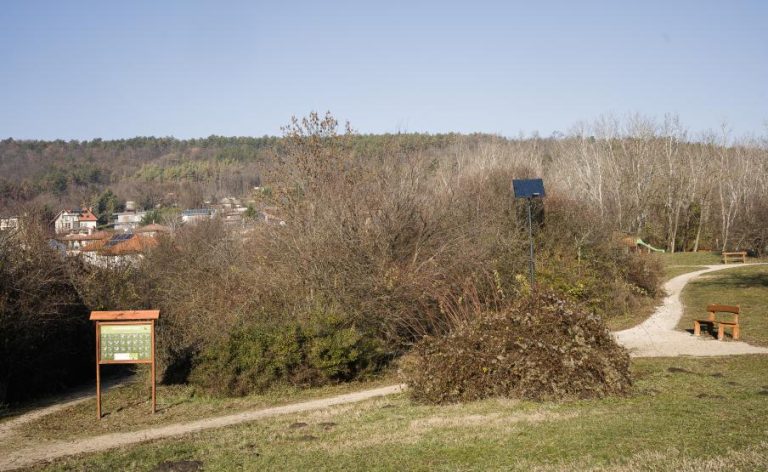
(529, 189)
(530, 237)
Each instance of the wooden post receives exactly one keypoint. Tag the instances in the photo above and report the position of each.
(98, 370)
(154, 381)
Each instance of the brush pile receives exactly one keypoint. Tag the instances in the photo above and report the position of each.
(542, 348)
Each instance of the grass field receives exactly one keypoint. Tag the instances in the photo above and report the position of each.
(690, 258)
(747, 286)
(685, 414)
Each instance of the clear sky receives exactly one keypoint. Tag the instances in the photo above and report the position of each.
(85, 69)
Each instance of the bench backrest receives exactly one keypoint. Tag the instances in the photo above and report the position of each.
(715, 308)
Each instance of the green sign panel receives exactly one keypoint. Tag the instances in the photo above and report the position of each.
(126, 342)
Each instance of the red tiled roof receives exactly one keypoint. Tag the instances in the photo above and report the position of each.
(135, 245)
(95, 246)
(87, 215)
(86, 237)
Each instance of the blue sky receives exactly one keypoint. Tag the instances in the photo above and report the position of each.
(87, 69)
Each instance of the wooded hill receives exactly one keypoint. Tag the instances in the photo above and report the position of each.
(647, 178)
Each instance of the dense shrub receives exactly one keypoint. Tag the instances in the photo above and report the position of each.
(580, 257)
(258, 356)
(46, 340)
(378, 250)
(395, 248)
(540, 348)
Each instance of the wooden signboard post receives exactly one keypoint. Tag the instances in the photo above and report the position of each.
(124, 337)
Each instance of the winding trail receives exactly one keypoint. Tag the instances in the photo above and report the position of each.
(655, 337)
(55, 449)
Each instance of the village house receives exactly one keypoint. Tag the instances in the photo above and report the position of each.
(75, 221)
(152, 230)
(9, 224)
(130, 219)
(197, 214)
(75, 242)
(118, 249)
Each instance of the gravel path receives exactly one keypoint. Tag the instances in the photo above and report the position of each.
(657, 337)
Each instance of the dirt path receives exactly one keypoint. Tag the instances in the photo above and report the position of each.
(54, 404)
(657, 337)
(56, 449)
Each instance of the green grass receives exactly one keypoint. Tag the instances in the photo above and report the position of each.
(633, 317)
(690, 258)
(747, 286)
(670, 272)
(684, 414)
(127, 408)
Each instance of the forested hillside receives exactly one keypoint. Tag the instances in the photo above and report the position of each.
(644, 177)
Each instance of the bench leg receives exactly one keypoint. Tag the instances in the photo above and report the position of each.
(696, 328)
(720, 332)
(736, 332)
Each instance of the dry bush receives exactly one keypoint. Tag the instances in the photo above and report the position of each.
(389, 247)
(541, 347)
(46, 340)
(579, 257)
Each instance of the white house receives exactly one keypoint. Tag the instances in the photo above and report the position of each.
(197, 214)
(129, 220)
(75, 221)
(10, 223)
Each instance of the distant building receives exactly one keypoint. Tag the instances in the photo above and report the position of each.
(129, 220)
(75, 242)
(9, 224)
(197, 214)
(75, 221)
(152, 230)
(118, 249)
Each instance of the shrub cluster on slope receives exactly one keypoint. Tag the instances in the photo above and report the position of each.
(543, 347)
(318, 352)
(390, 250)
(378, 250)
(46, 340)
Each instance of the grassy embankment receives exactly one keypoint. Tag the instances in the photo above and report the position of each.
(677, 407)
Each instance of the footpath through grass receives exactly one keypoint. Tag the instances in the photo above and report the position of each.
(744, 286)
(681, 263)
(126, 408)
(684, 414)
(674, 264)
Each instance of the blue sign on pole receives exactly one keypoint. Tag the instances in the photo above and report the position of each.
(528, 189)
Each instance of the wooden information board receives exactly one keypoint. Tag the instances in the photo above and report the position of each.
(125, 337)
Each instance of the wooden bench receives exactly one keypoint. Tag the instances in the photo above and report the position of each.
(735, 255)
(711, 320)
